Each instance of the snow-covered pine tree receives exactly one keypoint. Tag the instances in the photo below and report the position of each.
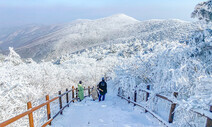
(201, 40)
(203, 11)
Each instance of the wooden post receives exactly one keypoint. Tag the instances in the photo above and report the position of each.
(67, 100)
(89, 91)
(209, 121)
(48, 109)
(135, 97)
(73, 93)
(171, 113)
(29, 106)
(128, 99)
(60, 102)
(147, 94)
(119, 91)
(84, 91)
(77, 94)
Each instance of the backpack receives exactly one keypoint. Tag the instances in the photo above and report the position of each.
(102, 83)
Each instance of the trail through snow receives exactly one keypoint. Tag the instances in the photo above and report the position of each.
(113, 112)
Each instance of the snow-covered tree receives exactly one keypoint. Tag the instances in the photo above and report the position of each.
(203, 11)
(13, 57)
(2, 57)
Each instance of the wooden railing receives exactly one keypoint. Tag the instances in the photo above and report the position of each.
(30, 110)
(174, 102)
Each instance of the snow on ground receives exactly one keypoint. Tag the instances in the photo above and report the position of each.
(113, 112)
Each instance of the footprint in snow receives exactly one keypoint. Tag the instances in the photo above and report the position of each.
(103, 106)
(101, 120)
(127, 126)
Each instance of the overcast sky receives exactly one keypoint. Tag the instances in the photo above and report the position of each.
(21, 12)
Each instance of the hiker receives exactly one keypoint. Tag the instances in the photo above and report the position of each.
(102, 87)
(81, 91)
(94, 93)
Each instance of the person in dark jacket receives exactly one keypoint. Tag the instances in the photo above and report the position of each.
(102, 87)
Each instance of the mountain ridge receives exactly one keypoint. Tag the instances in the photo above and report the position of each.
(50, 42)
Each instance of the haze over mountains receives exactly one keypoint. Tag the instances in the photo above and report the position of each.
(49, 42)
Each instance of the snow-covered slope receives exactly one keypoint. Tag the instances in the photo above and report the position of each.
(168, 66)
(50, 42)
(113, 112)
(23, 35)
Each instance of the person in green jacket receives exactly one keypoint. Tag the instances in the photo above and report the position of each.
(81, 91)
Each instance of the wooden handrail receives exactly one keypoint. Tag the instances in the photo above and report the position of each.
(144, 107)
(202, 112)
(5, 123)
(65, 93)
(48, 122)
(31, 110)
(158, 95)
(206, 114)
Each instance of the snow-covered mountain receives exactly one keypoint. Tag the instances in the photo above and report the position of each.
(146, 58)
(50, 42)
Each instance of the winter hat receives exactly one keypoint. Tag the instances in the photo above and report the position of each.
(80, 82)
